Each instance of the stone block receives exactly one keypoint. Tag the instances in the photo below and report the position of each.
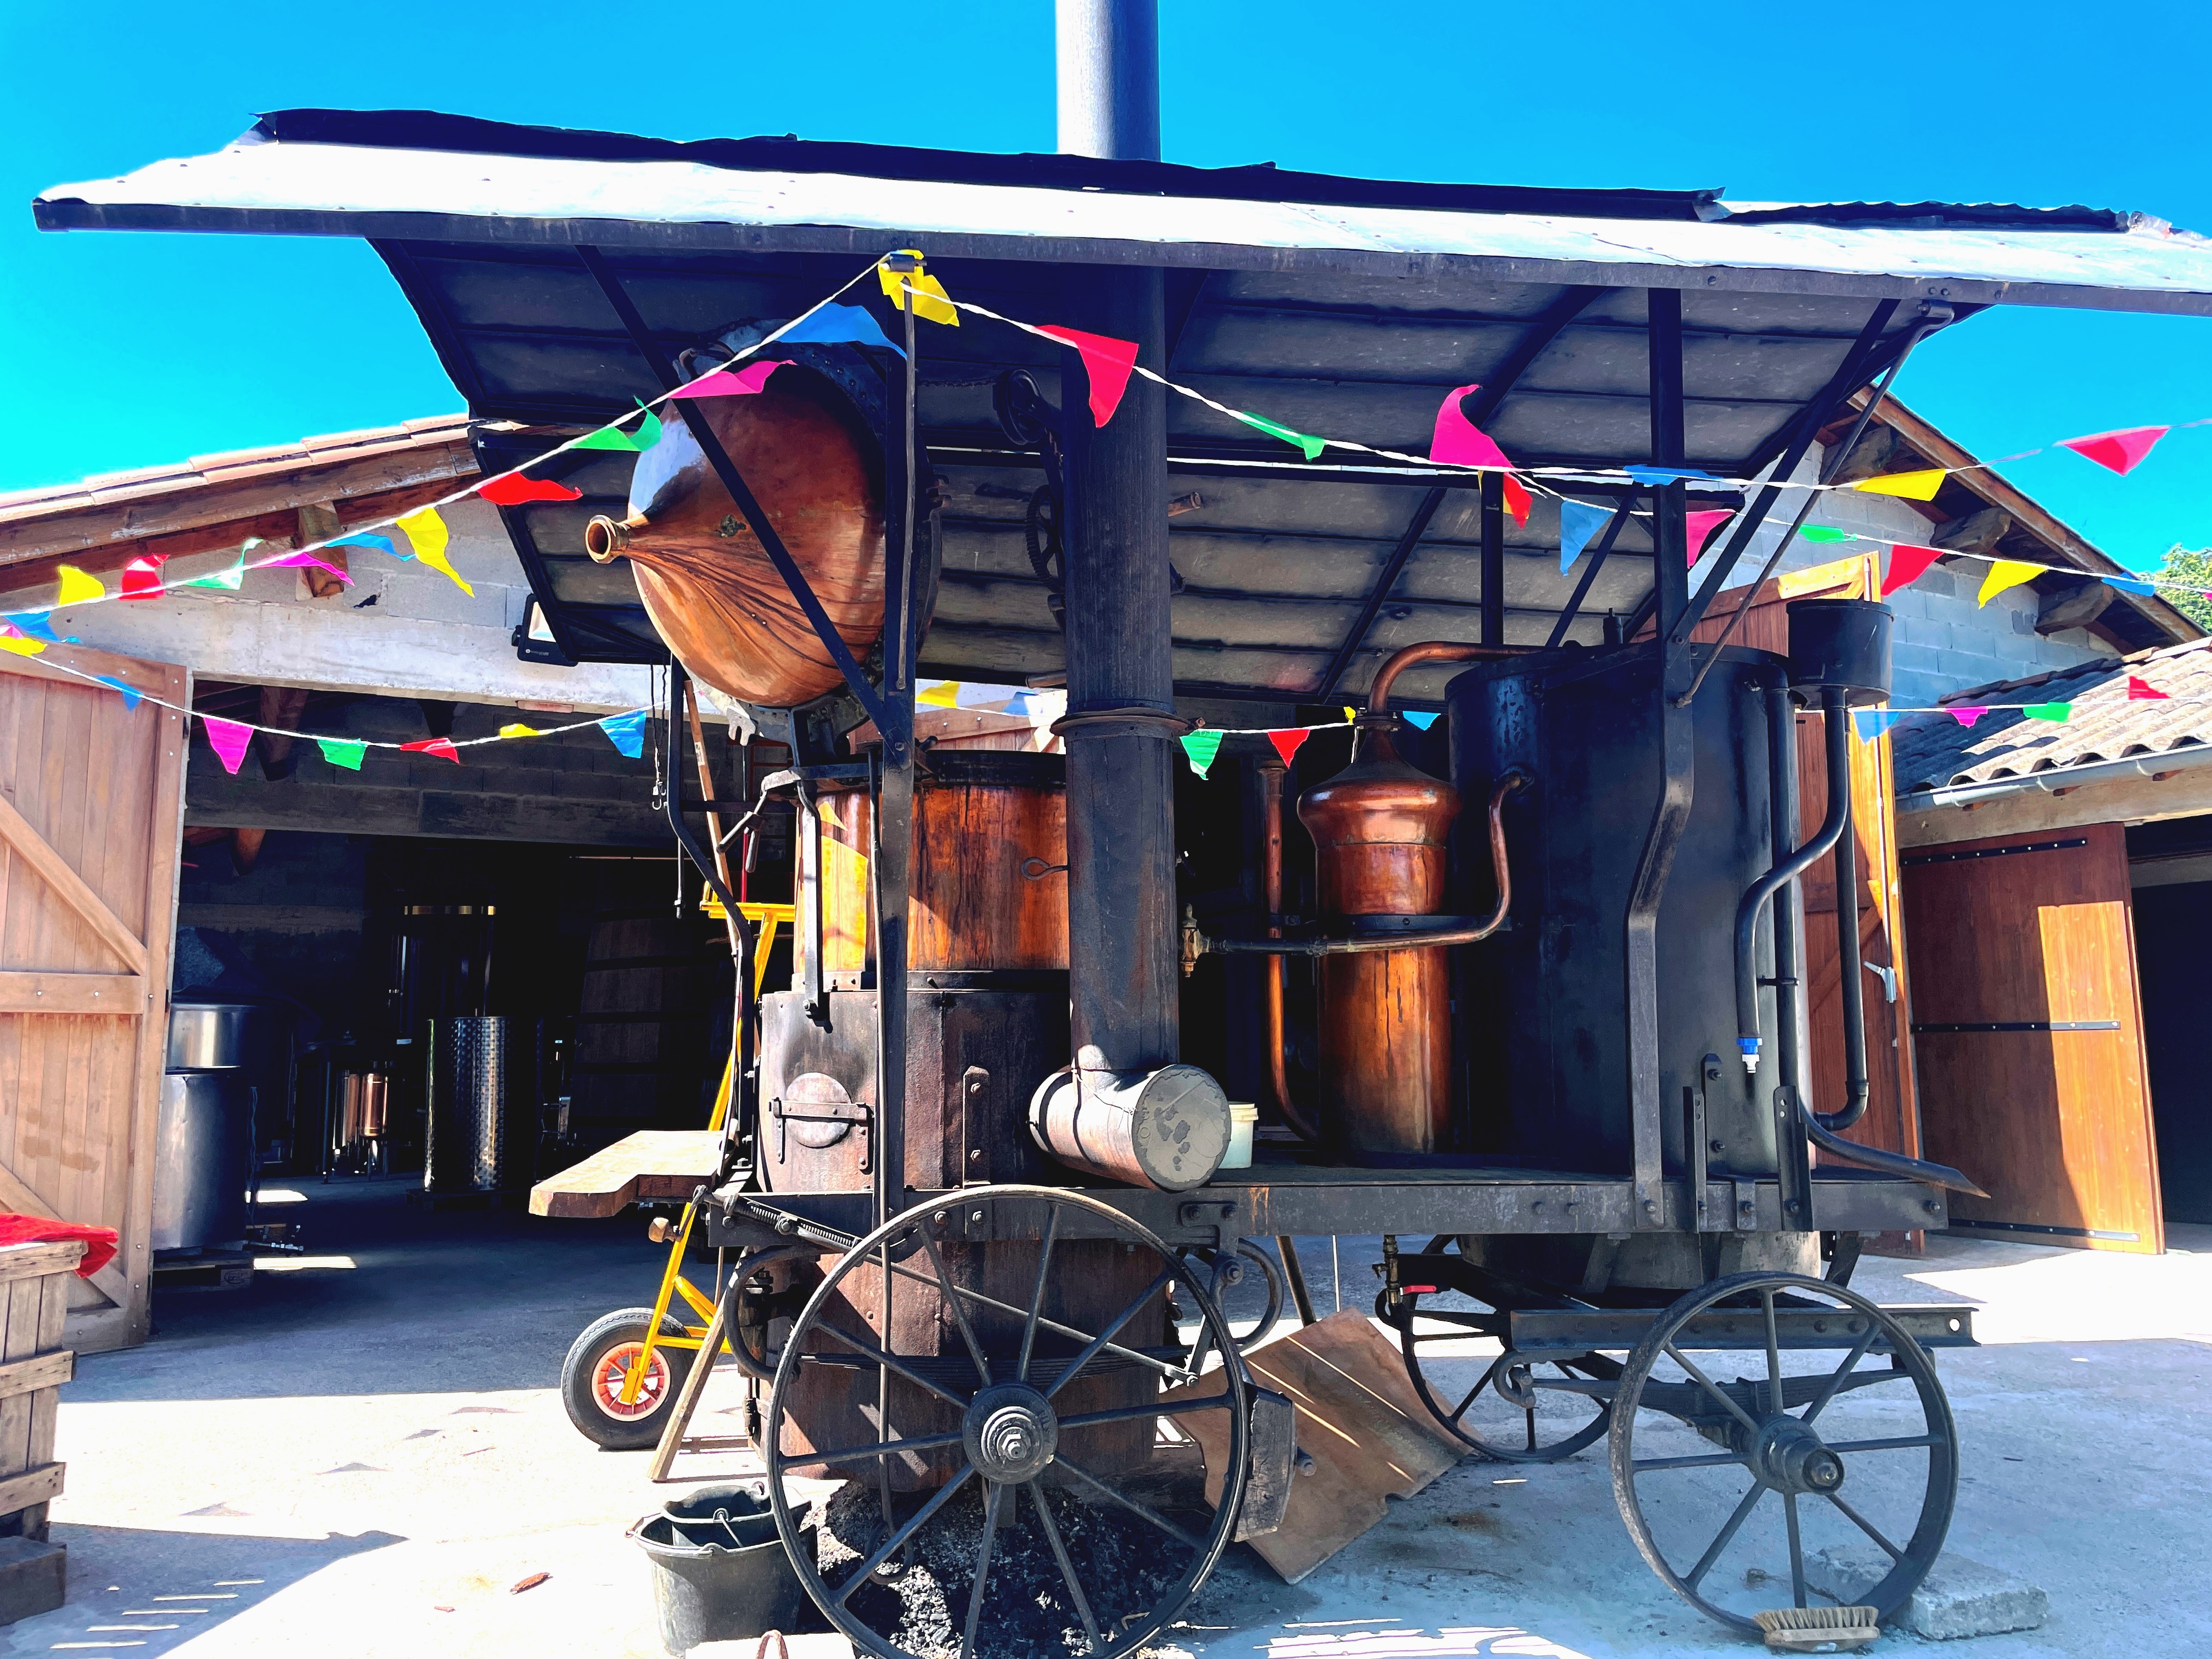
(1958, 1598)
(34, 1577)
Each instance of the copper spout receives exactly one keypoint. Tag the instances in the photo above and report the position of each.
(605, 539)
(1271, 881)
(1378, 694)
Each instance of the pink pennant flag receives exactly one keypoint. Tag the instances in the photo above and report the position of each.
(1516, 501)
(723, 383)
(1287, 743)
(1107, 361)
(513, 490)
(1702, 525)
(1967, 716)
(141, 577)
(230, 739)
(1906, 562)
(2117, 451)
(312, 560)
(441, 747)
(2142, 690)
(1457, 440)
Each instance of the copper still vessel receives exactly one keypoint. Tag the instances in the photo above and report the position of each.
(714, 595)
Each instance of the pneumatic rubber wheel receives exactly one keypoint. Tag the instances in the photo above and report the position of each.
(598, 1360)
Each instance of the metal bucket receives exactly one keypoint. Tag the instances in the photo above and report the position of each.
(718, 1571)
(484, 1078)
(208, 1036)
(203, 1159)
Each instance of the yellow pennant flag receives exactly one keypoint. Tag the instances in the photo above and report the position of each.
(931, 302)
(1350, 715)
(20, 645)
(1913, 486)
(943, 694)
(2004, 574)
(426, 534)
(77, 586)
(519, 730)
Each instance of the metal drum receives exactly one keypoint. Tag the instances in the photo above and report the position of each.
(203, 1159)
(484, 1079)
(206, 1036)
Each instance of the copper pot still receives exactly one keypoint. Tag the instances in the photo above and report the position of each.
(708, 584)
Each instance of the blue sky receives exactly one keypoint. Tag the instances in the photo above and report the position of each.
(126, 350)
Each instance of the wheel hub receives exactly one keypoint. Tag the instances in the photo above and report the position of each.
(1010, 1432)
(1790, 1458)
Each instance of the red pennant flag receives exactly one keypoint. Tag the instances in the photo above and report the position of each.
(441, 747)
(1516, 501)
(513, 490)
(2144, 691)
(1906, 561)
(141, 577)
(1287, 742)
(2117, 451)
(1702, 525)
(1107, 361)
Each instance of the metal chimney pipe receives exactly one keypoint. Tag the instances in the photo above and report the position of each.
(1109, 78)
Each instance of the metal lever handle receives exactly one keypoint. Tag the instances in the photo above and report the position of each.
(1887, 976)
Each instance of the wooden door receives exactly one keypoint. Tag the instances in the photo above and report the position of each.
(2030, 1035)
(91, 804)
(1892, 1119)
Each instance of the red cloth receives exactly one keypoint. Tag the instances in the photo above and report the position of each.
(99, 1243)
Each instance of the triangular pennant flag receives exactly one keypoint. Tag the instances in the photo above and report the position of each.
(611, 436)
(931, 302)
(78, 587)
(2142, 690)
(1107, 361)
(1701, 525)
(35, 624)
(941, 694)
(513, 490)
(141, 577)
(427, 535)
(1967, 715)
(1350, 715)
(1578, 522)
(1872, 722)
(840, 326)
(2004, 574)
(2148, 590)
(131, 695)
(1912, 486)
(1457, 440)
(441, 747)
(230, 578)
(343, 751)
(1663, 475)
(1289, 741)
(2055, 712)
(2118, 452)
(316, 562)
(366, 538)
(1518, 501)
(626, 732)
(1310, 448)
(22, 647)
(228, 739)
(1423, 721)
(1907, 563)
(1823, 532)
(1200, 748)
(516, 729)
(739, 383)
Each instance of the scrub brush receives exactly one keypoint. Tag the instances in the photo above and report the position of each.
(1818, 1630)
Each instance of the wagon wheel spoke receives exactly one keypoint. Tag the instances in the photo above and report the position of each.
(1166, 1277)
(1712, 1388)
(1721, 1539)
(1066, 1567)
(1128, 1504)
(1037, 1298)
(1902, 1443)
(1211, 1402)
(1796, 1550)
(980, 1299)
(995, 1495)
(959, 1314)
(890, 1363)
(891, 1545)
(1834, 1385)
(1773, 1360)
(1865, 1526)
(884, 1448)
(1655, 1465)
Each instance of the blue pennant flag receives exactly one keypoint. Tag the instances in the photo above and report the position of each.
(1578, 522)
(2147, 589)
(364, 538)
(132, 697)
(626, 732)
(839, 325)
(1663, 475)
(37, 624)
(1872, 722)
(1424, 721)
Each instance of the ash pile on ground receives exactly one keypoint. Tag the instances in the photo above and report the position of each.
(1124, 1563)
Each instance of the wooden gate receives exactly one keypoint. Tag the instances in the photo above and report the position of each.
(2030, 1035)
(91, 802)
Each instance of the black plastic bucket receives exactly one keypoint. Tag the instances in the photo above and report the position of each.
(718, 1569)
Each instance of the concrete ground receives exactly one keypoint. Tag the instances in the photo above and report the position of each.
(363, 1453)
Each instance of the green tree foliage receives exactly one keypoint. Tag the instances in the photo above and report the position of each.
(2189, 570)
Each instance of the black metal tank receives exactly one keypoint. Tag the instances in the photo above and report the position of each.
(1542, 1009)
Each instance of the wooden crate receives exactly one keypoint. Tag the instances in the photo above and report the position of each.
(34, 1290)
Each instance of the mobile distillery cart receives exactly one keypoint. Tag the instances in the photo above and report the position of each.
(1533, 1008)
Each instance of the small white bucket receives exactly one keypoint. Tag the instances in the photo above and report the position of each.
(1243, 1118)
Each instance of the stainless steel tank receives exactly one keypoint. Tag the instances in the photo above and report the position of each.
(482, 1119)
(207, 1036)
(203, 1159)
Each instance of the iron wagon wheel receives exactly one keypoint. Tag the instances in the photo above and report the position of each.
(1011, 1361)
(1840, 1449)
(1520, 1410)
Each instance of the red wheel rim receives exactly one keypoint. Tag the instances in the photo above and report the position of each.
(614, 1366)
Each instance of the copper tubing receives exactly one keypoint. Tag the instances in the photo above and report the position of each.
(1378, 694)
(606, 539)
(1270, 877)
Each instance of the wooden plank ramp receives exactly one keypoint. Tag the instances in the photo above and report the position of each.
(640, 1168)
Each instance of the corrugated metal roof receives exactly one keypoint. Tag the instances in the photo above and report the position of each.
(1934, 752)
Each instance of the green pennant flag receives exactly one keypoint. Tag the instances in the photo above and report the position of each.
(230, 578)
(1201, 747)
(1312, 446)
(342, 751)
(1822, 532)
(611, 436)
(2048, 711)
